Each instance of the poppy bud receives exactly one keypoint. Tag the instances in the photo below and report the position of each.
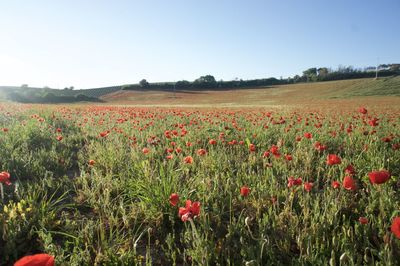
(174, 199)
(244, 191)
(363, 220)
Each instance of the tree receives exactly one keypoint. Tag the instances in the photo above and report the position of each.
(143, 83)
(49, 97)
(182, 84)
(16, 97)
(296, 79)
(310, 74)
(310, 71)
(323, 71)
(395, 67)
(206, 81)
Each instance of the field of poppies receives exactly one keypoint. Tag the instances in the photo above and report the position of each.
(114, 185)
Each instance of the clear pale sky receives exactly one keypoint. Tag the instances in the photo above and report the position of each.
(90, 44)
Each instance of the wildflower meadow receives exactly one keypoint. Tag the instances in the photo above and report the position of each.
(116, 185)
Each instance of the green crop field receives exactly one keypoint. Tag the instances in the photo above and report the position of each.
(285, 184)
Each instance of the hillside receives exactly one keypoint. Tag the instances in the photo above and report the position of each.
(97, 92)
(267, 95)
(49, 95)
(270, 95)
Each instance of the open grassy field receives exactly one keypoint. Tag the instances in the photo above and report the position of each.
(285, 184)
(302, 93)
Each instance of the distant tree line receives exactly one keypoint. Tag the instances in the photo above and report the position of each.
(26, 94)
(48, 97)
(203, 82)
(313, 74)
(346, 72)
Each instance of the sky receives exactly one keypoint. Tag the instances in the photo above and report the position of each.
(88, 44)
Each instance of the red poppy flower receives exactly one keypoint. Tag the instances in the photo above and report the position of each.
(308, 186)
(363, 220)
(212, 141)
(288, 157)
(395, 228)
(294, 181)
(336, 184)
(275, 151)
(387, 139)
(379, 177)
(350, 170)
(5, 129)
(266, 154)
(252, 148)
(36, 260)
(145, 150)
(5, 178)
(190, 210)
(104, 134)
(174, 199)
(59, 138)
(201, 152)
(318, 146)
(333, 159)
(188, 159)
(59, 130)
(244, 191)
(308, 135)
(373, 122)
(363, 110)
(91, 162)
(349, 183)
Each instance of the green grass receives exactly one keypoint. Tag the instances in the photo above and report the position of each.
(388, 86)
(117, 212)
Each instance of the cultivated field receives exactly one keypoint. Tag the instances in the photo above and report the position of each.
(299, 178)
(314, 93)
